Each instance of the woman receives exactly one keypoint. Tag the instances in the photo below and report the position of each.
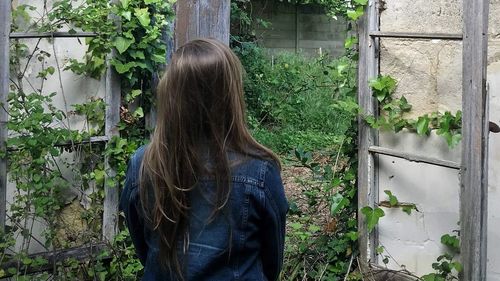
(204, 200)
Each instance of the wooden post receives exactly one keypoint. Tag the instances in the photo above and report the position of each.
(202, 18)
(474, 172)
(367, 178)
(5, 7)
(111, 190)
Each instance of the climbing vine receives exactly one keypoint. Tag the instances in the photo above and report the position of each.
(392, 118)
(393, 110)
(51, 160)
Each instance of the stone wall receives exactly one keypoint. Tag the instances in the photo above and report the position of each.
(430, 76)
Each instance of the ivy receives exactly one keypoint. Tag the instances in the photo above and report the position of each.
(43, 148)
(372, 215)
(393, 110)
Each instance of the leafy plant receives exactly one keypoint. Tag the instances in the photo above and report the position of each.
(393, 110)
(372, 216)
(43, 148)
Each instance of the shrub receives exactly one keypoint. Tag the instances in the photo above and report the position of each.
(291, 98)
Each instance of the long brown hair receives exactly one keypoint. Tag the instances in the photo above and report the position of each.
(200, 107)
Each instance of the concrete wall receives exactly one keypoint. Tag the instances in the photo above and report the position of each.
(303, 28)
(429, 75)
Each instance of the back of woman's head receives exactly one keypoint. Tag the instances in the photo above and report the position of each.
(201, 115)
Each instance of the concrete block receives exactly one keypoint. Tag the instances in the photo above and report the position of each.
(414, 240)
(494, 168)
(443, 16)
(428, 72)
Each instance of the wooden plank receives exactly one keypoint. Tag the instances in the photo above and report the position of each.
(80, 254)
(169, 41)
(5, 14)
(406, 35)
(474, 172)
(414, 158)
(201, 19)
(28, 35)
(111, 188)
(367, 176)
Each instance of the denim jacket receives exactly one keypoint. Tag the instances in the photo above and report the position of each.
(243, 242)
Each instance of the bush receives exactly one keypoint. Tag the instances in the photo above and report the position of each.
(291, 98)
(307, 106)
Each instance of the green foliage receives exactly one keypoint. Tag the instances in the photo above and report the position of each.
(350, 9)
(372, 216)
(292, 99)
(314, 250)
(393, 200)
(446, 266)
(307, 106)
(43, 148)
(395, 203)
(393, 110)
(452, 242)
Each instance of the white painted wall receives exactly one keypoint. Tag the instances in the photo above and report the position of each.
(429, 75)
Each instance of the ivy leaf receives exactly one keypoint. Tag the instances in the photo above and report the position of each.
(423, 125)
(451, 241)
(458, 266)
(127, 15)
(143, 16)
(400, 125)
(151, 1)
(351, 41)
(122, 44)
(158, 58)
(137, 54)
(355, 14)
(125, 3)
(393, 200)
(372, 216)
(139, 113)
(50, 70)
(132, 95)
(338, 202)
(122, 68)
(379, 250)
(372, 122)
(404, 105)
(386, 260)
(408, 209)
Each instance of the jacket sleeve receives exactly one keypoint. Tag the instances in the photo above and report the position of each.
(131, 207)
(273, 227)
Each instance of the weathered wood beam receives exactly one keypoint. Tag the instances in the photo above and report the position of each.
(201, 19)
(367, 137)
(111, 186)
(414, 158)
(474, 172)
(425, 36)
(80, 254)
(5, 14)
